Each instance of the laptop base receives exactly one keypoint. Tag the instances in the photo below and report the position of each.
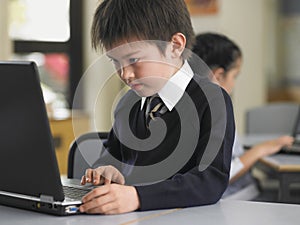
(37, 206)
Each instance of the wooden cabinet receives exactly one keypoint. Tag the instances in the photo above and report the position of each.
(289, 94)
(63, 135)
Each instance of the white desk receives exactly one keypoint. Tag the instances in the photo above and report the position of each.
(287, 168)
(230, 212)
(226, 212)
(14, 216)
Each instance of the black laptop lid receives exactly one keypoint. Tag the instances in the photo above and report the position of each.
(296, 131)
(27, 158)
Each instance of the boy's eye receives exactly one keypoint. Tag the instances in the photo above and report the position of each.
(133, 60)
(116, 63)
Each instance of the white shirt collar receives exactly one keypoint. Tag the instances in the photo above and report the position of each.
(175, 87)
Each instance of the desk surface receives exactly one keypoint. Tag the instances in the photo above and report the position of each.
(278, 162)
(14, 216)
(229, 212)
(283, 162)
(226, 212)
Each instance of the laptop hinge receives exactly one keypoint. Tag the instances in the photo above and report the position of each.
(46, 198)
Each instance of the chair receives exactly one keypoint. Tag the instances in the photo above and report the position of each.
(84, 151)
(274, 118)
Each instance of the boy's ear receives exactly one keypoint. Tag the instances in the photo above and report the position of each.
(178, 43)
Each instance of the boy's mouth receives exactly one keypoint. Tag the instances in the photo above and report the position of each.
(135, 86)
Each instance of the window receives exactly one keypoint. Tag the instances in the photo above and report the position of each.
(49, 32)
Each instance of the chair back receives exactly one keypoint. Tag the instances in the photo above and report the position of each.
(274, 118)
(83, 153)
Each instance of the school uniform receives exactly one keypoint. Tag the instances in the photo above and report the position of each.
(176, 179)
(246, 186)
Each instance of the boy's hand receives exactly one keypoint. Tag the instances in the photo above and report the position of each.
(103, 175)
(110, 199)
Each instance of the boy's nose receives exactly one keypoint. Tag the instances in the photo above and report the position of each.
(127, 73)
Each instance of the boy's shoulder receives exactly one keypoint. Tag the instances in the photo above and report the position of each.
(201, 89)
(127, 101)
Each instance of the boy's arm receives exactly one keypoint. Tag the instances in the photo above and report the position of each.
(195, 187)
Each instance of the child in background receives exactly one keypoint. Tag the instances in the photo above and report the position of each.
(224, 58)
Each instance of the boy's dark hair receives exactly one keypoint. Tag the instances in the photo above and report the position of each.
(216, 50)
(122, 20)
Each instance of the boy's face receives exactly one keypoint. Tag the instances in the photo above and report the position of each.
(142, 66)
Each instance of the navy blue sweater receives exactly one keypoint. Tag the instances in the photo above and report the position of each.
(190, 165)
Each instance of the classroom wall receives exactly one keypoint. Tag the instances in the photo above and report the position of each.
(244, 22)
(6, 47)
(98, 98)
(249, 23)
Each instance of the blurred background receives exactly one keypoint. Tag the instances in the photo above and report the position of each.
(56, 34)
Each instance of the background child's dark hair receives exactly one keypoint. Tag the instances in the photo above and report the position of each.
(217, 50)
(123, 20)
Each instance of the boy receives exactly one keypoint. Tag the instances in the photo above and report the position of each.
(169, 143)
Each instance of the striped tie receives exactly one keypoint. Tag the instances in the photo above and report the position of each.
(155, 108)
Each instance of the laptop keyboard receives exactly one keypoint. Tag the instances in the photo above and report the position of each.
(74, 193)
(296, 142)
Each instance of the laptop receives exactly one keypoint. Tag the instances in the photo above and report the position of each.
(295, 148)
(30, 177)
(251, 140)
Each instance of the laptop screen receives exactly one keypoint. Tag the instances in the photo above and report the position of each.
(296, 132)
(27, 158)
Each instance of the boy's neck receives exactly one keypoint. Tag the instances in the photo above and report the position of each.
(178, 66)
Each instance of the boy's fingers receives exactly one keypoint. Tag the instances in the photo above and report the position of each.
(121, 179)
(83, 180)
(89, 175)
(108, 176)
(98, 175)
(107, 181)
(103, 175)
